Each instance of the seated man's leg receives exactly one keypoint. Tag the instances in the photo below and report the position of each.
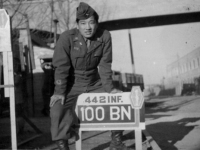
(62, 117)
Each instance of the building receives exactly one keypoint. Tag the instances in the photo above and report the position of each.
(185, 70)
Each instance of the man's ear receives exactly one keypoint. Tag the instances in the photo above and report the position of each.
(77, 26)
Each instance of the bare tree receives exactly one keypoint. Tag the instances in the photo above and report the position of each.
(65, 14)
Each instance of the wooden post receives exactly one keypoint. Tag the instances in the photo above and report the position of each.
(55, 31)
(78, 143)
(138, 139)
(12, 102)
(1, 4)
(21, 53)
(5, 70)
(6, 49)
(30, 46)
(1, 66)
(29, 81)
(32, 60)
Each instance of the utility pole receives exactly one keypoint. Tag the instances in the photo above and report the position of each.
(52, 11)
(1, 4)
(178, 76)
(178, 65)
(55, 31)
(131, 51)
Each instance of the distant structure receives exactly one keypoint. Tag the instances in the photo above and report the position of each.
(185, 70)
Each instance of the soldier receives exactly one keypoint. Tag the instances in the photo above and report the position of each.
(82, 61)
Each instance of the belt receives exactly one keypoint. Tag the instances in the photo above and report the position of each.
(85, 77)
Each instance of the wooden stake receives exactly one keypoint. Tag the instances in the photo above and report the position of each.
(5, 69)
(12, 101)
(30, 43)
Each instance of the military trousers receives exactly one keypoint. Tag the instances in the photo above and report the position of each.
(63, 116)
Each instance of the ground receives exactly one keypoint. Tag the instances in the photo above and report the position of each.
(173, 122)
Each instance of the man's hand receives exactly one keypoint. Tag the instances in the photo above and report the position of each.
(56, 98)
(115, 91)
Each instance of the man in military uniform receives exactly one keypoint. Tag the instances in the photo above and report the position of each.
(82, 61)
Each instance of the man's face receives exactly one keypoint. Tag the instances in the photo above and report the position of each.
(87, 27)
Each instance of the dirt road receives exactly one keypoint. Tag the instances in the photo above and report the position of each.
(173, 122)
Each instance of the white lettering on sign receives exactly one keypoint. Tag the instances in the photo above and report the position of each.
(126, 112)
(114, 113)
(117, 113)
(100, 110)
(110, 111)
(103, 114)
(88, 114)
(104, 99)
(89, 110)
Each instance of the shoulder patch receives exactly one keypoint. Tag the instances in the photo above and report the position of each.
(58, 82)
(106, 36)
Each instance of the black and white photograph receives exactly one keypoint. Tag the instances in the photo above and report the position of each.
(99, 75)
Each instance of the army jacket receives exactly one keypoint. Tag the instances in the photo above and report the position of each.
(80, 68)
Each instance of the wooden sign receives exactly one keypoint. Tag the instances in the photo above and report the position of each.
(5, 48)
(5, 45)
(4, 18)
(104, 111)
(5, 34)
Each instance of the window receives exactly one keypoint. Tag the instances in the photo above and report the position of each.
(195, 63)
(177, 71)
(180, 70)
(192, 65)
(198, 61)
(185, 67)
(188, 66)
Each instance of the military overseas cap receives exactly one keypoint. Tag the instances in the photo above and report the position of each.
(84, 11)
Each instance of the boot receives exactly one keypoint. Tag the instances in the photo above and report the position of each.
(116, 143)
(62, 145)
(74, 132)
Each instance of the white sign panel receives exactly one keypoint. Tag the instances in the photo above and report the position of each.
(5, 34)
(104, 111)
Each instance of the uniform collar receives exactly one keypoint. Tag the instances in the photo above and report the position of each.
(77, 35)
(96, 41)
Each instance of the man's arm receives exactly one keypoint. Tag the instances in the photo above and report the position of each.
(62, 64)
(105, 63)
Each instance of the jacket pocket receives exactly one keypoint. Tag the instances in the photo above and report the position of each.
(98, 53)
(77, 58)
(95, 58)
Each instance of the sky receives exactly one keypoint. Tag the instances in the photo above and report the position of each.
(154, 48)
